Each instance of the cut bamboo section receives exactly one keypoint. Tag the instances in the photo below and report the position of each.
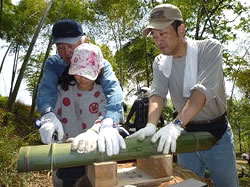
(54, 156)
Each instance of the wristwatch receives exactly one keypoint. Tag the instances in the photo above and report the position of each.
(178, 122)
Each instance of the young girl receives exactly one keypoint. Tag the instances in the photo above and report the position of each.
(81, 100)
(80, 107)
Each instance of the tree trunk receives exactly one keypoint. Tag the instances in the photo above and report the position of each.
(14, 69)
(1, 67)
(239, 131)
(1, 12)
(13, 96)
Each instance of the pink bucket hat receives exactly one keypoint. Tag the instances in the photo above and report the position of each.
(87, 61)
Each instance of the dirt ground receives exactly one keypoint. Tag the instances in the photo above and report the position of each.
(44, 179)
(41, 179)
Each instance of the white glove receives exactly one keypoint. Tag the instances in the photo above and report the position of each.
(85, 142)
(168, 136)
(109, 138)
(49, 125)
(149, 130)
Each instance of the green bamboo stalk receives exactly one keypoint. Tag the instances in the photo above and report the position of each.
(45, 157)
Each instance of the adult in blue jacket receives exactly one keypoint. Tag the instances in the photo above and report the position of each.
(68, 35)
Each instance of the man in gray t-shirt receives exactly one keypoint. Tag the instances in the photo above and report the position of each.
(191, 71)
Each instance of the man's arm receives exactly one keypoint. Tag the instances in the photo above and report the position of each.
(113, 93)
(156, 104)
(47, 92)
(192, 107)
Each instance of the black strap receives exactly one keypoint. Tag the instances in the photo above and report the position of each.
(217, 128)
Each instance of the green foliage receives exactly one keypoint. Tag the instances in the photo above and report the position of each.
(138, 57)
(107, 54)
(3, 101)
(168, 111)
(32, 72)
(239, 118)
(16, 130)
(22, 20)
(243, 81)
(9, 145)
(7, 19)
(237, 67)
(70, 9)
(117, 20)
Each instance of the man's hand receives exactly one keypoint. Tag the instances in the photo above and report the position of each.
(109, 138)
(85, 142)
(149, 130)
(168, 136)
(49, 125)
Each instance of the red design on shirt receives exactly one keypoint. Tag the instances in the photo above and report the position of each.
(91, 88)
(66, 101)
(84, 125)
(79, 94)
(93, 108)
(64, 120)
(97, 94)
(59, 111)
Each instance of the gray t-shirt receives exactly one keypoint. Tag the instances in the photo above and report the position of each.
(210, 80)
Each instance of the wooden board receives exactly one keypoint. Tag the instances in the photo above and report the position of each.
(157, 166)
(134, 177)
(102, 174)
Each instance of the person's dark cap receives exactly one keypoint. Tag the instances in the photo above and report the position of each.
(67, 31)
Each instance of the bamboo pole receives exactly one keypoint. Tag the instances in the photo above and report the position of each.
(45, 157)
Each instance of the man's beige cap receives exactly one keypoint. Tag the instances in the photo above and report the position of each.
(162, 16)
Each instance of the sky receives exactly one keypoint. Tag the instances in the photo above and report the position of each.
(24, 96)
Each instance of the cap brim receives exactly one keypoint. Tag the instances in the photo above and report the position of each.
(156, 25)
(68, 40)
(82, 73)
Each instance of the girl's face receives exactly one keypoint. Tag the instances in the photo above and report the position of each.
(84, 83)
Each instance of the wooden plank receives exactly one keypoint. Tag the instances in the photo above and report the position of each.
(102, 174)
(157, 166)
(132, 176)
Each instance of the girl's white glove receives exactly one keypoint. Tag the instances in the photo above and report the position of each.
(85, 142)
(109, 138)
(49, 125)
(168, 136)
(149, 130)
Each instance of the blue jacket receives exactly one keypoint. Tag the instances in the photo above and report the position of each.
(53, 69)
